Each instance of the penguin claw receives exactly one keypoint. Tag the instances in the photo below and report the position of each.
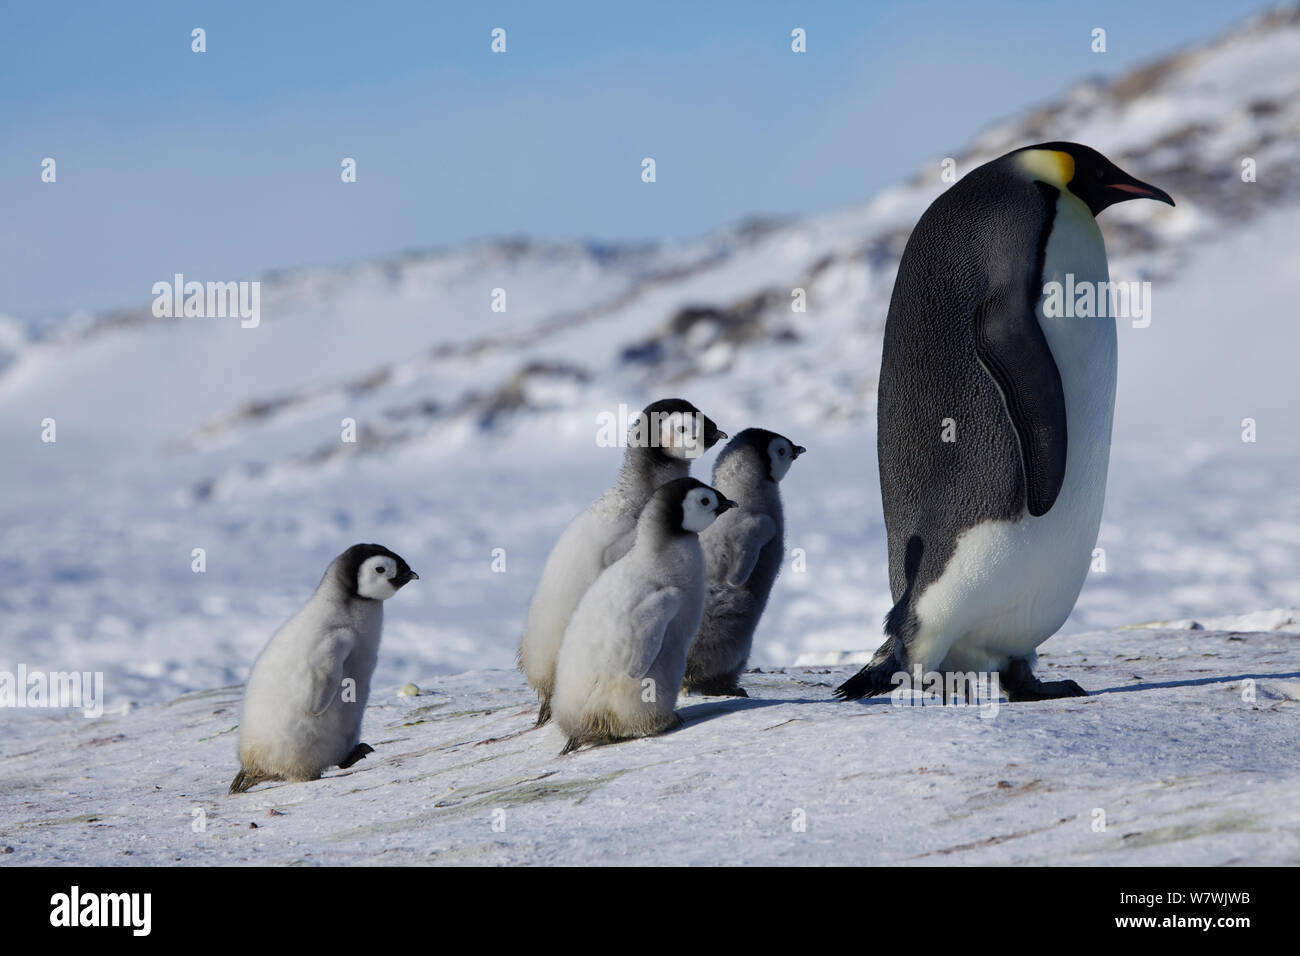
(358, 753)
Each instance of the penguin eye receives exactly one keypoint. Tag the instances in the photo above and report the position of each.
(704, 501)
(781, 452)
(381, 569)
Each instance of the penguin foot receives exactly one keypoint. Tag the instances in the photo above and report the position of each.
(543, 712)
(1046, 690)
(358, 753)
(722, 688)
(1020, 684)
(570, 745)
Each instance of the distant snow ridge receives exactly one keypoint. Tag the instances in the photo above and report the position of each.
(586, 319)
(1277, 619)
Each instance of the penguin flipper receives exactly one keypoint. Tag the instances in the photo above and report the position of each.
(326, 672)
(620, 546)
(1011, 345)
(649, 622)
(751, 531)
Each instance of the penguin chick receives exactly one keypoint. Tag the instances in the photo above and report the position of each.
(663, 440)
(621, 663)
(299, 717)
(743, 551)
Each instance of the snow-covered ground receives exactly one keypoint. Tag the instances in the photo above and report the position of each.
(476, 432)
(1185, 754)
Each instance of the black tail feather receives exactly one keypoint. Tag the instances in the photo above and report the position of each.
(877, 677)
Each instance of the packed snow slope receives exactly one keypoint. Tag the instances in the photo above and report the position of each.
(1184, 754)
(476, 429)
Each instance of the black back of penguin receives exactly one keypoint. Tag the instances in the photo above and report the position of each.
(984, 239)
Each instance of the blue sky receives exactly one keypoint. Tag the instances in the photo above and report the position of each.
(225, 164)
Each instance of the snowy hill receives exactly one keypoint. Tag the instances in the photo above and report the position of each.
(1185, 754)
(475, 428)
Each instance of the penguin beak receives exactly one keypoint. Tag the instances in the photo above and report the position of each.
(799, 450)
(1136, 189)
(724, 504)
(406, 577)
(712, 435)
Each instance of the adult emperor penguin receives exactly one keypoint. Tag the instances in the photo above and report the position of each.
(309, 686)
(994, 419)
(662, 442)
(624, 652)
(743, 551)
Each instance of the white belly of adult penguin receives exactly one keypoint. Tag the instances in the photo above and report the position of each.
(991, 534)
(308, 690)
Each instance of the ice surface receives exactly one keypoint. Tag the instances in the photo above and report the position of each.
(1170, 761)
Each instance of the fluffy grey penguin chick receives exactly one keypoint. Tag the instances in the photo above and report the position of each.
(620, 666)
(743, 551)
(668, 435)
(298, 716)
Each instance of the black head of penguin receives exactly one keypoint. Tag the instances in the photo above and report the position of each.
(660, 411)
(347, 565)
(679, 503)
(756, 442)
(1086, 173)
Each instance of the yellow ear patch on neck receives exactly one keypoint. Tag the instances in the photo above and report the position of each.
(1050, 165)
